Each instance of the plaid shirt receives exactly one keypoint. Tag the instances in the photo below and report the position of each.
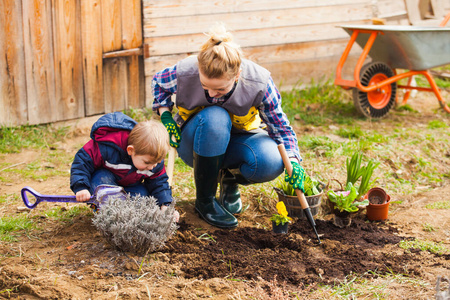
(164, 85)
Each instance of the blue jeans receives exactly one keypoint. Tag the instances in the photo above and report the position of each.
(208, 134)
(103, 176)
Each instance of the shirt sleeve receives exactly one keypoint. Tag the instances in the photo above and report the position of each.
(277, 122)
(164, 85)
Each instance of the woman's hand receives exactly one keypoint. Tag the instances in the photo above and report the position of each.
(297, 178)
(172, 128)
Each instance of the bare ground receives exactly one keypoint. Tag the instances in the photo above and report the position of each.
(71, 260)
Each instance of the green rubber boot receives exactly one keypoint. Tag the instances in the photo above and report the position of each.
(206, 170)
(230, 197)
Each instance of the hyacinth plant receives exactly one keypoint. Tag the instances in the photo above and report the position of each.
(282, 216)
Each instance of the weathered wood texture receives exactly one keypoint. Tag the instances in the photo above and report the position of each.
(51, 59)
(13, 91)
(65, 59)
(296, 40)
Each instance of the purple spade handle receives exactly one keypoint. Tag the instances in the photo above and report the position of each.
(102, 192)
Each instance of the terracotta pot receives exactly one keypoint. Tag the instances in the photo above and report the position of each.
(374, 211)
(377, 195)
(280, 228)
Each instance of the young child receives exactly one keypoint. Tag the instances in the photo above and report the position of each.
(125, 153)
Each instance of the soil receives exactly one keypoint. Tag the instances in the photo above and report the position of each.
(71, 260)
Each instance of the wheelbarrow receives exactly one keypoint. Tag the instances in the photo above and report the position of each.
(391, 47)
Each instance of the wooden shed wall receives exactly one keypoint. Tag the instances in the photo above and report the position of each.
(66, 59)
(296, 40)
(54, 61)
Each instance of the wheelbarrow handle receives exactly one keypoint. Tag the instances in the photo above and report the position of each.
(49, 198)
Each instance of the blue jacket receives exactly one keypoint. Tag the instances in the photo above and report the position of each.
(107, 149)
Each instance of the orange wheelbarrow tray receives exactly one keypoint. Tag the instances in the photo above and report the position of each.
(413, 48)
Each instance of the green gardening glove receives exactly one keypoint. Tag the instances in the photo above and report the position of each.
(172, 128)
(297, 178)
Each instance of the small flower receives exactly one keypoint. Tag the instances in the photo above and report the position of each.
(282, 216)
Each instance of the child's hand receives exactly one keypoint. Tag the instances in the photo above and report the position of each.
(83, 195)
(176, 214)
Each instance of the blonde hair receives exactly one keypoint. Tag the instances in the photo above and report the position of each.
(150, 138)
(219, 56)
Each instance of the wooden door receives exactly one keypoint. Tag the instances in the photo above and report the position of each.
(66, 59)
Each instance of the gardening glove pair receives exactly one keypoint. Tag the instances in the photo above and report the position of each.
(172, 128)
(297, 178)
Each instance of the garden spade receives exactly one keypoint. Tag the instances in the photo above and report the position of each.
(101, 195)
(301, 197)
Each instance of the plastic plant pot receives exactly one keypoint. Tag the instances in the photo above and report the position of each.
(378, 207)
(280, 228)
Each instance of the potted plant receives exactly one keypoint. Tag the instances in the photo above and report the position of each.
(343, 204)
(280, 221)
(313, 194)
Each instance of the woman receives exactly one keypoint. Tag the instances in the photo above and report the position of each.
(231, 121)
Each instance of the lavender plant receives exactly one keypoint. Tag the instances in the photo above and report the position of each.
(136, 224)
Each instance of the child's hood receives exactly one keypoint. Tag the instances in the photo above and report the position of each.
(113, 127)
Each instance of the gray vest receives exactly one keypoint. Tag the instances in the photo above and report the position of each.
(249, 91)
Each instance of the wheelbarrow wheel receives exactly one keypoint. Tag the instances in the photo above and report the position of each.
(375, 104)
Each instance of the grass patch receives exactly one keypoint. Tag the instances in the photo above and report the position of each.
(14, 139)
(432, 247)
(350, 133)
(318, 103)
(139, 114)
(9, 226)
(428, 227)
(370, 285)
(9, 198)
(436, 124)
(439, 205)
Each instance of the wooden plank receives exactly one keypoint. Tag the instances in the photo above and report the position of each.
(173, 8)
(288, 74)
(267, 54)
(111, 25)
(142, 100)
(122, 53)
(92, 56)
(13, 93)
(390, 8)
(67, 47)
(155, 27)
(115, 83)
(131, 24)
(134, 82)
(251, 38)
(40, 70)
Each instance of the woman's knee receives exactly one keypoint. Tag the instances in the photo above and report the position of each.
(215, 118)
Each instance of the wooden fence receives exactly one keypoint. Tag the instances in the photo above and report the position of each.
(59, 59)
(66, 59)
